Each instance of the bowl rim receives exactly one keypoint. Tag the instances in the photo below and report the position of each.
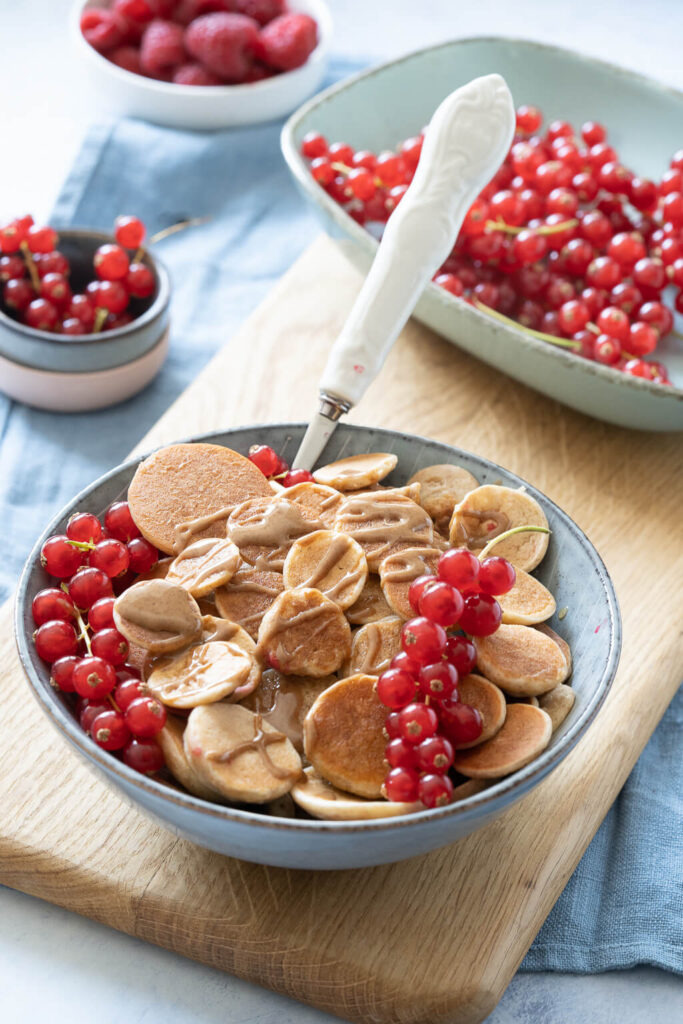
(174, 90)
(299, 169)
(496, 795)
(157, 308)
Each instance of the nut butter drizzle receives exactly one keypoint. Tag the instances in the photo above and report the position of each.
(260, 742)
(373, 648)
(183, 532)
(225, 556)
(380, 518)
(407, 564)
(337, 549)
(474, 541)
(275, 526)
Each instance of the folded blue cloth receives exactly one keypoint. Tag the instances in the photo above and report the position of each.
(624, 903)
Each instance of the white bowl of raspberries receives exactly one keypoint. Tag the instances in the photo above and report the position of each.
(204, 64)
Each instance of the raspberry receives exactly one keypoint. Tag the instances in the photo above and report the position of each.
(126, 57)
(287, 42)
(262, 11)
(103, 29)
(162, 48)
(188, 10)
(224, 43)
(195, 74)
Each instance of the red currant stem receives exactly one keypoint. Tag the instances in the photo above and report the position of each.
(30, 265)
(82, 545)
(83, 633)
(547, 229)
(560, 342)
(676, 334)
(172, 230)
(341, 168)
(113, 703)
(510, 533)
(593, 327)
(100, 316)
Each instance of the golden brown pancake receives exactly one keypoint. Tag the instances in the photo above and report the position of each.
(528, 602)
(248, 596)
(525, 734)
(371, 605)
(200, 675)
(491, 510)
(521, 660)
(356, 471)
(284, 701)
(304, 633)
(170, 739)
(321, 799)
(398, 570)
(315, 501)
(157, 615)
(375, 645)
(558, 703)
(383, 522)
(333, 563)
(442, 487)
(190, 483)
(489, 701)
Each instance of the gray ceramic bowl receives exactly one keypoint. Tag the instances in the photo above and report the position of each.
(87, 353)
(572, 569)
(380, 107)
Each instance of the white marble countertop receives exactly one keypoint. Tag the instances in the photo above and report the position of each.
(53, 964)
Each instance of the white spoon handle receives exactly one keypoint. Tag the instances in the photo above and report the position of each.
(465, 144)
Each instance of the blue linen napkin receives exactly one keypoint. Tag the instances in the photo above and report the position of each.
(624, 904)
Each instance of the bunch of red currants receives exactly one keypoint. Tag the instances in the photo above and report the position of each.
(426, 720)
(35, 279)
(76, 633)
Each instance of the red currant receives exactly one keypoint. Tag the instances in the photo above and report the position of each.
(649, 274)
(435, 790)
(529, 119)
(42, 315)
(101, 615)
(435, 755)
(112, 295)
(396, 688)
(658, 316)
(142, 556)
(93, 677)
(626, 248)
(642, 338)
(496, 576)
(41, 239)
(18, 293)
(82, 309)
(89, 711)
(119, 522)
(461, 653)
(402, 785)
(109, 730)
(145, 717)
(89, 585)
(267, 460)
(143, 756)
(55, 639)
(55, 288)
(603, 272)
(440, 602)
(613, 321)
(400, 754)
(52, 604)
(111, 556)
(59, 557)
(140, 282)
(109, 645)
(405, 663)
(111, 263)
(607, 350)
(62, 671)
(297, 476)
(573, 316)
(592, 133)
(84, 528)
(392, 726)
(460, 568)
(423, 641)
(127, 691)
(461, 723)
(129, 232)
(624, 296)
(481, 615)
(439, 681)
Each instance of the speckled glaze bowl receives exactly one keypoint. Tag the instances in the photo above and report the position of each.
(72, 373)
(572, 570)
(378, 108)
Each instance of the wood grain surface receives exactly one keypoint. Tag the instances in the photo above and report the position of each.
(436, 938)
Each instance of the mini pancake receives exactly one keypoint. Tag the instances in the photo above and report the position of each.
(158, 615)
(524, 735)
(521, 660)
(186, 491)
(315, 501)
(489, 701)
(344, 738)
(265, 529)
(357, 471)
(214, 628)
(200, 675)
(321, 799)
(375, 645)
(304, 633)
(157, 572)
(528, 602)
(383, 522)
(248, 596)
(333, 563)
(442, 487)
(411, 491)
(170, 739)
(371, 605)
(558, 703)
(560, 641)
(284, 701)
(489, 511)
(398, 570)
(241, 756)
(204, 565)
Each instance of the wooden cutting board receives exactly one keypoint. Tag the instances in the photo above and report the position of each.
(436, 938)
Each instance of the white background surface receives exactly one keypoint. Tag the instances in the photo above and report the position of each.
(54, 965)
